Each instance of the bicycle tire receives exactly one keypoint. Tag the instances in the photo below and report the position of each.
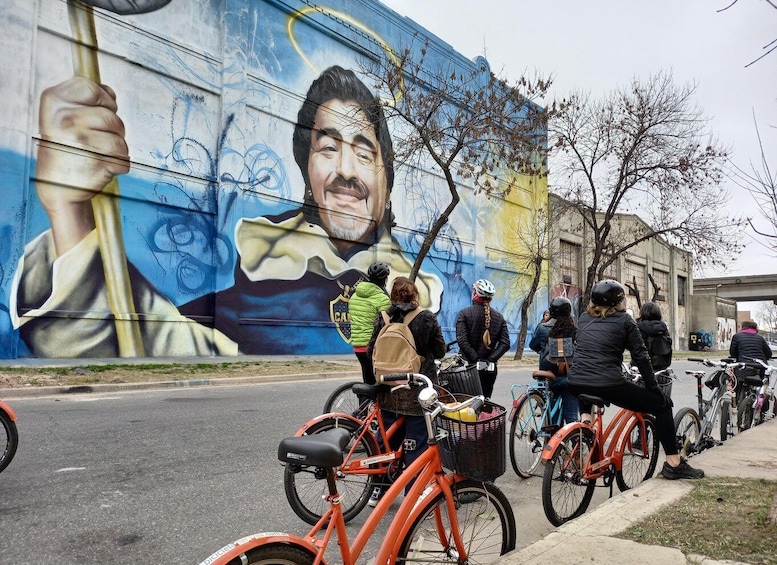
(687, 425)
(9, 441)
(725, 419)
(638, 465)
(344, 401)
(305, 486)
(275, 554)
(745, 412)
(565, 493)
(486, 519)
(525, 441)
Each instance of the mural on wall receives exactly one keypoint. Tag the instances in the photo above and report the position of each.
(256, 180)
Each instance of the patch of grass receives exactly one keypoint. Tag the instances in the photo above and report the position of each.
(721, 518)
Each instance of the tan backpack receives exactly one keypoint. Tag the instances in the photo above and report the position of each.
(394, 350)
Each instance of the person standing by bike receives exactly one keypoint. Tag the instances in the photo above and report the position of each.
(539, 338)
(604, 332)
(482, 334)
(561, 325)
(429, 344)
(369, 298)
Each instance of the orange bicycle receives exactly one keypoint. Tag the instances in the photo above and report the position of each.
(625, 451)
(454, 516)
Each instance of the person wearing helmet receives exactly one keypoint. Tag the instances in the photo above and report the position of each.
(368, 299)
(604, 332)
(482, 335)
(560, 325)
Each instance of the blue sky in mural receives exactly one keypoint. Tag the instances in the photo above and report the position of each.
(601, 44)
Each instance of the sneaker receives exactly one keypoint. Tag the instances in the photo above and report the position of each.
(377, 492)
(682, 471)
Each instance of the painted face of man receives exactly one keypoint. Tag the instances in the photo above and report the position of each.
(346, 171)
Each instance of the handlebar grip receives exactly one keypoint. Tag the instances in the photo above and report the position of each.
(478, 404)
(695, 359)
(396, 377)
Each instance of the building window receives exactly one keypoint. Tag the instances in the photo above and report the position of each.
(570, 263)
(661, 278)
(635, 274)
(682, 284)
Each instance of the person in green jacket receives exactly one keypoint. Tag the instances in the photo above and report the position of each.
(369, 298)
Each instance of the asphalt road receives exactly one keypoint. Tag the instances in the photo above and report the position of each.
(171, 476)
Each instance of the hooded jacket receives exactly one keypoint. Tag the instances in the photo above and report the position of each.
(747, 344)
(367, 300)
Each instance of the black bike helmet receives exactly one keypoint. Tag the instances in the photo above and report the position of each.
(560, 306)
(607, 292)
(378, 273)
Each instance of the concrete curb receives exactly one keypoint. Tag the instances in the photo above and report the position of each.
(32, 391)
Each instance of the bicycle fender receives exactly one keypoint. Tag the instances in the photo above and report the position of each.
(303, 430)
(7, 409)
(553, 442)
(514, 409)
(243, 545)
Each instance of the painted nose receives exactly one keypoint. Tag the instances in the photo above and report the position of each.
(347, 165)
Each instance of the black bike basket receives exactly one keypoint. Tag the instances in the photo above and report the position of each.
(475, 449)
(461, 379)
(665, 384)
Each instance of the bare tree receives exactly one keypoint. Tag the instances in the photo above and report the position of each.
(467, 126)
(767, 318)
(769, 47)
(643, 150)
(761, 182)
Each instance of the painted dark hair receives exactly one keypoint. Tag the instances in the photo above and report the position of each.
(339, 83)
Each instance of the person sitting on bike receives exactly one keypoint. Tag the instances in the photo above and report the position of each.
(482, 334)
(604, 332)
(429, 344)
(746, 345)
(369, 298)
(560, 325)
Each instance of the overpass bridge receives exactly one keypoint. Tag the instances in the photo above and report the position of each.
(750, 288)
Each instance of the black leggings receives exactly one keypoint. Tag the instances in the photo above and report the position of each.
(634, 397)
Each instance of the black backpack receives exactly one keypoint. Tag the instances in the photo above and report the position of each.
(660, 350)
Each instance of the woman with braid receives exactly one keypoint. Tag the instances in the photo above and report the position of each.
(482, 335)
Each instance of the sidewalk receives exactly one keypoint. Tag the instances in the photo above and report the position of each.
(588, 539)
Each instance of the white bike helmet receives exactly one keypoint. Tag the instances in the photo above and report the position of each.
(484, 288)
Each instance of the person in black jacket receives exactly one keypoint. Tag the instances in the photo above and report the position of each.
(604, 332)
(746, 345)
(563, 325)
(482, 334)
(652, 327)
(430, 344)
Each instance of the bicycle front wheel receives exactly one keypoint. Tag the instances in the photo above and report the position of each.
(640, 454)
(725, 419)
(344, 401)
(485, 518)
(306, 486)
(566, 494)
(277, 554)
(525, 440)
(9, 439)
(687, 425)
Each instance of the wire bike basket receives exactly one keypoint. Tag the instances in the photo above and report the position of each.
(474, 449)
(463, 379)
(664, 381)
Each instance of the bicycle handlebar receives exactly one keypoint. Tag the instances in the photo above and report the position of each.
(474, 402)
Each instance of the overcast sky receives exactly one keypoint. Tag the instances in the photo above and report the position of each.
(598, 45)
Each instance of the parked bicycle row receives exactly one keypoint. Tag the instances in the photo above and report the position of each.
(368, 449)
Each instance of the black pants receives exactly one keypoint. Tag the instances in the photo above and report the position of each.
(635, 397)
(368, 374)
(487, 380)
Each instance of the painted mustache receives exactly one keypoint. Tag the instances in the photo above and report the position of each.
(345, 187)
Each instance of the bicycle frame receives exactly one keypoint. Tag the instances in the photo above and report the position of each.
(551, 413)
(428, 479)
(367, 465)
(609, 442)
(708, 408)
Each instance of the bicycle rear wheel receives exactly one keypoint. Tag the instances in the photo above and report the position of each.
(485, 518)
(687, 425)
(344, 401)
(277, 554)
(566, 494)
(525, 440)
(745, 412)
(305, 486)
(640, 454)
(9, 439)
